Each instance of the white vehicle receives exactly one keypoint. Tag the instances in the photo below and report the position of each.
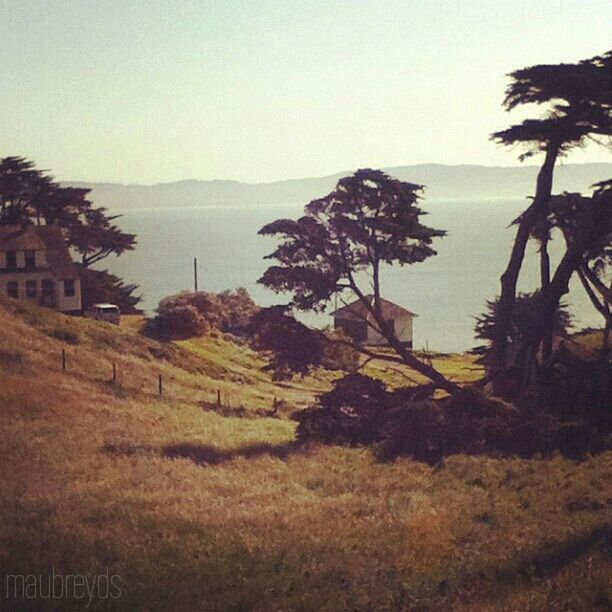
(104, 312)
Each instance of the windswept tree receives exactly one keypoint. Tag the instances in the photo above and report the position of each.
(524, 314)
(567, 213)
(578, 100)
(368, 221)
(30, 196)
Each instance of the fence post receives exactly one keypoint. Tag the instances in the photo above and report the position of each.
(114, 372)
(161, 385)
(219, 397)
(64, 360)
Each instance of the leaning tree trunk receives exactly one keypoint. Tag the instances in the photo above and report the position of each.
(509, 278)
(594, 227)
(439, 380)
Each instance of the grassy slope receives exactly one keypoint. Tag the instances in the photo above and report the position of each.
(197, 511)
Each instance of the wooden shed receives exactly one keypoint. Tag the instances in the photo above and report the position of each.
(354, 320)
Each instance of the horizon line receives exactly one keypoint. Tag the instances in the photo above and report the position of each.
(323, 176)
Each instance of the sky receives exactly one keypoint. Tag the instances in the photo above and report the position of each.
(256, 90)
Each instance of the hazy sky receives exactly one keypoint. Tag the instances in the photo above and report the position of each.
(135, 91)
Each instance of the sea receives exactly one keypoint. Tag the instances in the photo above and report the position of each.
(446, 291)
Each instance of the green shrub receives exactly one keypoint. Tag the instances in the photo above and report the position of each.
(180, 321)
(189, 313)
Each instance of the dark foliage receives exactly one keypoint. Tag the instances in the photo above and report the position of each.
(523, 318)
(338, 352)
(569, 213)
(370, 219)
(578, 107)
(292, 348)
(361, 411)
(100, 286)
(29, 195)
(579, 99)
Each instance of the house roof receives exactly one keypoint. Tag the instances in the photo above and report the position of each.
(20, 238)
(356, 310)
(46, 238)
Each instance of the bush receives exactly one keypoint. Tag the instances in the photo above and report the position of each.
(360, 410)
(180, 322)
(237, 310)
(190, 313)
(292, 347)
(337, 355)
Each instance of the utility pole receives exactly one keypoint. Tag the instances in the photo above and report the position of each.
(195, 273)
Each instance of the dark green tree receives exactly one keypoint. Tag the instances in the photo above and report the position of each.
(368, 221)
(578, 99)
(31, 196)
(28, 195)
(591, 234)
(100, 286)
(567, 213)
(523, 317)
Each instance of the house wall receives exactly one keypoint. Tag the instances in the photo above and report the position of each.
(69, 304)
(352, 327)
(403, 330)
(21, 278)
(60, 301)
(40, 259)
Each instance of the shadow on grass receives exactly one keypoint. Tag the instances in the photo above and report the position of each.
(544, 563)
(209, 455)
(203, 454)
(557, 557)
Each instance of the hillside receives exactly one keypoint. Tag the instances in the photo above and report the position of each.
(462, 181)
(195, 510)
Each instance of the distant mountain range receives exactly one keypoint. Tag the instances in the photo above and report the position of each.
(441, 181)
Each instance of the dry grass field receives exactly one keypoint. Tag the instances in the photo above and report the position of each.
(195, 510)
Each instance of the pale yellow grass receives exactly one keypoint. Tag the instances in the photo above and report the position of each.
(199, 512)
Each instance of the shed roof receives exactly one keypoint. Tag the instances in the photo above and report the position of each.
(356, 310)
(46, 238)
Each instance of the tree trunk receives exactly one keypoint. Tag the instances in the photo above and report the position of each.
(509, 278)
(547, 341)
(405, 355)
(559, 285)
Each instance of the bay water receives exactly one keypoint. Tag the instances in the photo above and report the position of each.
(446, 291)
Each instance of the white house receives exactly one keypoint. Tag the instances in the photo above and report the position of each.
(35, 264)
(354, 320)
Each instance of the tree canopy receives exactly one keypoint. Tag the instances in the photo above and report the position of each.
(29, 195)
(367, 221)
(578, 100)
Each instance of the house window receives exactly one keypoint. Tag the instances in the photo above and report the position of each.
(12, 289)
(31, 288)
(47, 286)
(69, 288)
(30, 259)
(11, 260)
